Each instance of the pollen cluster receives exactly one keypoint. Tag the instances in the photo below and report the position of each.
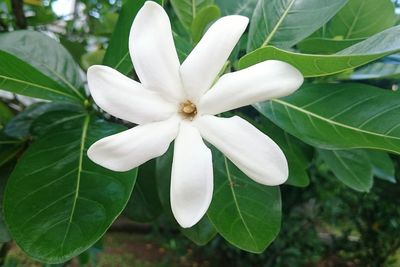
(188, 110)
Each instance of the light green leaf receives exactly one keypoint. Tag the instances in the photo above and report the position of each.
(202, 19)
(92, 58)
(117, 54)
(47, 56)
(21, 78)
(362, 18)
(187, 10)
(339, 116)
(352, 167)
(57, 202)
(383, 166)
(237, 7)
(245, 213)
(375, 47)
(325, 45)
(284, 23)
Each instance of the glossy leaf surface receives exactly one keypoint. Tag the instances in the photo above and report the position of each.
(200, 22)
(187, 10)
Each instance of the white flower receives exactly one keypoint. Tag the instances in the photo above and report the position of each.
(179, 102)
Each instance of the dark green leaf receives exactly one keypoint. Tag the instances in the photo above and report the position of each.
(284, 23)
(361, 18)
(375, 47)
(57, 202)
(339, 116)
(325, 45)
(21, 78)
(144, 204)
(47, 56)
(352, 167)
(245, 213)
(5, 114)
(187, 10)
(5, 172)
(202, 19)
(382, 164)
(117, 54)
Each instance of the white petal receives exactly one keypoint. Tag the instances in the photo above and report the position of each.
(153, 51)
(125, 98)
(250, 150)
(131, 148)
(204, 63)
(192, 177)
(266, 80)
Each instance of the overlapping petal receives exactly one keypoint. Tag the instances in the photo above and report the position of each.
(131, 148)
(204, 63)
(191, 178)
(125, 98)
(153, 52)
(266, 80)
(250, 150)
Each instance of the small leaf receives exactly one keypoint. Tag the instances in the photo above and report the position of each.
(245, 213)
(375, 47)
(202, 19)
(352, 167)
(57, 202)
(284, 23)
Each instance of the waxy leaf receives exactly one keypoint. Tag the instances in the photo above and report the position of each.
(202, 19)
(47, 56)
(245, 213)
(57, 202)
(385, 69)
(352, 167)
(375, 47)
(117, 54)
(21, 78)
(237, 7)
(284, 23)
(361, 18)
(187, 10)
(325, 45)
(339, 116)
(382, 165)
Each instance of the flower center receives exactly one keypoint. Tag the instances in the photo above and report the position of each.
(188, 110)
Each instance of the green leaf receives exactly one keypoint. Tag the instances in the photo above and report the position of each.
(339, 116)
(5, 172)
(238, 7)
(245, 213)
(203, 231)
(57, 202)
(187, 10)
(92, 58)
(117, 54)
(284, 23)
(20, 126)
(361, 18)
(202, 19)
(375, 47)
(21, 78)
(144, 204)
(377, 70)
(352, 167)
(383, 167)
(325, 46)
(47, 56)
(5, 114)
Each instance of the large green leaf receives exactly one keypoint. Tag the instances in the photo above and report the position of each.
(361, 18)
(352, 167)
(57, 202)
(202, 19)
(325, 45)
(375, 47)
(284, 23)
(117, 54)
(239, 7)
(187, 10)
(47, 56)
(339, 116)
(245, 213)
(203, 231)
(21, 78)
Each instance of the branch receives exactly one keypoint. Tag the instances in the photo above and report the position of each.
(18, 10)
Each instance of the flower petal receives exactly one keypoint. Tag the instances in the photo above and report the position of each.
(191, 177)
(266, 80)
(131, 148)
(204, 63)
(125, 98)
(153, 51)
(250, 150)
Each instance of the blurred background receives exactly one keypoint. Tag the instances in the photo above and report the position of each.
(324, 224)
